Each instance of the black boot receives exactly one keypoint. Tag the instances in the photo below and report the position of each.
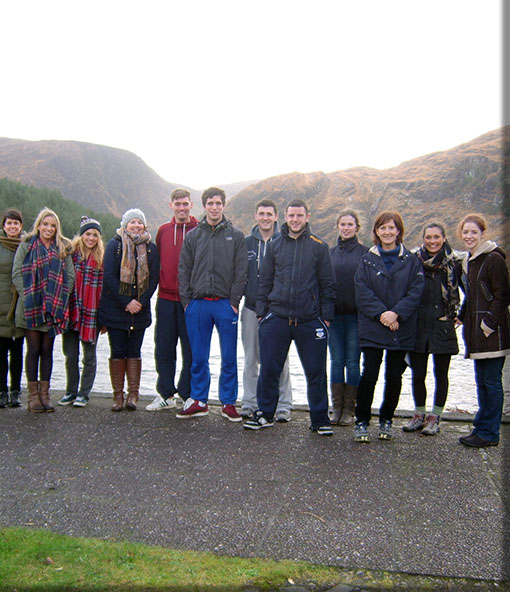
(4, 399)
(15, 399)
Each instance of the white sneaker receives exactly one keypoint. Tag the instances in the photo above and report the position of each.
(283, 415)
(158, 404)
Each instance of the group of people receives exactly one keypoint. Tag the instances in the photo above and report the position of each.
(384, 302)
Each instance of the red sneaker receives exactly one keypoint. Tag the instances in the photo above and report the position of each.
(230, 412)
(192, 408)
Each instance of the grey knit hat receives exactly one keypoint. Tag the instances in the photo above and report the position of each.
(130, 214)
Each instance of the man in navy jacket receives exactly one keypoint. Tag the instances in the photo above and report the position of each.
(296, 301)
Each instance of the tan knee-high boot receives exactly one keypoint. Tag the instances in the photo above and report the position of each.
(349, 405)
(337, 400)
(133, 371)
(34, 403)
(117, 372)
(44, 395)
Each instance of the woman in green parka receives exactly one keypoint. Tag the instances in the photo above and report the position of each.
(11, 338)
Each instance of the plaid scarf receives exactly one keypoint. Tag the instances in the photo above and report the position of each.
(131, 265)
(446, 261)
(45, 288)
(84, 300)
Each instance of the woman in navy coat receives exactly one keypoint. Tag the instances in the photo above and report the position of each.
(131, 274)
(389, 285)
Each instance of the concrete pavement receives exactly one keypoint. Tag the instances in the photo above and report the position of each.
(422, 505)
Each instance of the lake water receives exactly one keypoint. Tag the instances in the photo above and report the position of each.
(462, 392)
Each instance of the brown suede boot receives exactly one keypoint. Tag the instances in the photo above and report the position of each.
(117, 372)
(349, 405)
(337, 400)
(34, 403)
(44, 395)
(133, 371)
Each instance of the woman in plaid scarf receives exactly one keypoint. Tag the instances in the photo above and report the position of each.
(87, 254)
(131, 274)
(43, 274)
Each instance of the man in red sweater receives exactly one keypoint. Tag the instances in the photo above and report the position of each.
(170, 321)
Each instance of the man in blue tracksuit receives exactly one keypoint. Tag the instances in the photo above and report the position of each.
(296, 301)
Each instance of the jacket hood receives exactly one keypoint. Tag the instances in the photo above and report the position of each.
(486, 247)
(192, 221)
(255, 232)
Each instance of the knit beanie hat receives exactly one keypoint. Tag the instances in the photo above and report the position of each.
(87, 223)
(130, 214)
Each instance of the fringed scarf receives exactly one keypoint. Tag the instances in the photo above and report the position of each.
(84, 300)
(45, 288)
(131, 265)
(445, 260)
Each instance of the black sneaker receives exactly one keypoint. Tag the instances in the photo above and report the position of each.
(324, 430)
(257, 422)
(14, 399)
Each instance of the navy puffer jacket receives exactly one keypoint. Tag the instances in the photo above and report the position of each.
(378, 290)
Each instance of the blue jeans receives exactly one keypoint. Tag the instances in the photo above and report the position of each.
(344, 349)
(489, 387)
(201, 317)
(170, 328)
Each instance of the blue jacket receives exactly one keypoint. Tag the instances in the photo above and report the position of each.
(297, 280)
(346, 257)
(399, 290)
(112, 305)
(257, 248)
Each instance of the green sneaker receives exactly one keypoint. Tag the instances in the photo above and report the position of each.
(67, 399)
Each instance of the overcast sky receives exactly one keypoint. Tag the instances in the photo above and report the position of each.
(216, 91)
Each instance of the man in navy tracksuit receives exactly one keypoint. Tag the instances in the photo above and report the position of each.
(296, 301)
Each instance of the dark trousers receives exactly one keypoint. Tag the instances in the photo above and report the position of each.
(311, 339)
(11, 362)
(125, 344)
(419, 370)
(394, 368)
(170, 328)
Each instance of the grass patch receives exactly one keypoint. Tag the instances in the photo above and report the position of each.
(39, 560)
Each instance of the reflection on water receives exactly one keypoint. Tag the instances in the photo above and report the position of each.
(462, 392)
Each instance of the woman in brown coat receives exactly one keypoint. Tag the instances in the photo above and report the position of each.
(486, 326)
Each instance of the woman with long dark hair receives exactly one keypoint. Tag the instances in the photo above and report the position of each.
(87, 254)
(343, 340)
(131, 274)
(389, 285)
(11, 337)
(43, 273)
(485, 326)
(436, 327)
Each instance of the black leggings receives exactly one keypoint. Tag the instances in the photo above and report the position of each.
(394, 368)
(419, 370)
(39, 355)
(12, 365)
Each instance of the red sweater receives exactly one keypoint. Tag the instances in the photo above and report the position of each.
(169, 242)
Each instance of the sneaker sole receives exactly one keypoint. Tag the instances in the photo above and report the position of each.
(257, 427)
(385, 437)
(75, 404)
(65, 403)
(197, 414)
(362, 439)
(429, 433)
(283, 419)
(324, 433)
(160, 408)
(234, 419)
(406, 429)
